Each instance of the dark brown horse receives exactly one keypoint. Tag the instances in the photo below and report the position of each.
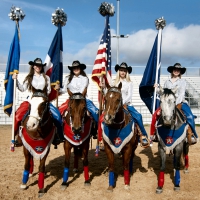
(77, 127)
(37, 135)
(120, 134)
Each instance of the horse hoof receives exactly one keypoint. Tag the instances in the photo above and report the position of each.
(176, 188)
(23, 186)
(127, 187)
(87, 183)
(63, 186)
(41, 193)
(159, 190)
(110, 189)
(75, 170)
(186, 171)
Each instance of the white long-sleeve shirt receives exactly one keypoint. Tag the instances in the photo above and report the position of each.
(77, 84)
(126, 90)
(181, 84)
(38, 83)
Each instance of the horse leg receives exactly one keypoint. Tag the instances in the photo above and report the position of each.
(85, 149)
(67, 149)
(41, 175)
(127, 157)
(27, 156)
(186, 157)
(31, 167)
(76, 158)
(110, 156)
(177, 153)
(162, 152)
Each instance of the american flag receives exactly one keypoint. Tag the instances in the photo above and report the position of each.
(102, 64)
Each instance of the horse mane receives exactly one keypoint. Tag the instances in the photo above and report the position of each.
(167, 92)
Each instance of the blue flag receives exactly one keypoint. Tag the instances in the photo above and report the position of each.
(12, 67)
(146, 88)
(54, 61)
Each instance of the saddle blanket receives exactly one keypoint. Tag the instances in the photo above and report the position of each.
(37, 148)
(117, 138)
(169, 138)
(79, 138)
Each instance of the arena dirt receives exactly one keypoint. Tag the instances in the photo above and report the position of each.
(143, 183)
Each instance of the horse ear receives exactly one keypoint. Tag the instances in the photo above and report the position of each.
(69, 92)
(107, 85)
(175, 90)
(120, 86)
(84, 92)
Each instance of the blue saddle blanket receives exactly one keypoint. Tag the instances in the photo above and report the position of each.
(170, 138)
(117, 138)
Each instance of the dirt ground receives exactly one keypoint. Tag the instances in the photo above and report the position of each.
(143, 183)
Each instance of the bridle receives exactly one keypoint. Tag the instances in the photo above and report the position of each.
(173, 120)
(40, 94)
(114, 89)
(76, 97)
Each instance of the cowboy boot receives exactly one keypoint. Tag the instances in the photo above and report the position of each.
(190, 136)
(144, 141)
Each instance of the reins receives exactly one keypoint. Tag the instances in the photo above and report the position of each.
(78, 97)
(119, 105)
(41, 123)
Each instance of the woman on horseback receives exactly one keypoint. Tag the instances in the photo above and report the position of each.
(176, 81)
(77, 82)
(123, 76)
(41, 82)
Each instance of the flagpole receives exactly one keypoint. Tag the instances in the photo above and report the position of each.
(16, 14)
(160, 24)
(106, 10)
(157, 67)
(12, 147)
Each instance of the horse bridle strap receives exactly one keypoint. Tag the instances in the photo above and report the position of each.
(114, 90)
(77, 96)
(40, 94)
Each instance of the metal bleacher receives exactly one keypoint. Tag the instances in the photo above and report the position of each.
(193, 92)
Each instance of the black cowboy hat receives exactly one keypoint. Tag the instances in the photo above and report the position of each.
(123, 66)
(76, 63)
(37, 62)
(176, 66)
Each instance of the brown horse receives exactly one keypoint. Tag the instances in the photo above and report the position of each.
(120, 134)
(37, 135)
(77, 126)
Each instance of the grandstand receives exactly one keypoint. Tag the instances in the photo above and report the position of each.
(192, 96)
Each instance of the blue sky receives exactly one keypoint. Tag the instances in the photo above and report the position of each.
(84, 27)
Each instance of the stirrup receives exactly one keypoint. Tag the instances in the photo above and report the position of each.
(144, 142)
(193, 139)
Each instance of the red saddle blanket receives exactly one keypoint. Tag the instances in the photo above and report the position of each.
(37, 148)
(77, 139)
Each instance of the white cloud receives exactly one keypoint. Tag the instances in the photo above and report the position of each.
(178, 45)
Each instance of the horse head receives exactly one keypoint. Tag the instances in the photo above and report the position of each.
(77, 110)
(167, 105)
(39, 105)
(113, 103)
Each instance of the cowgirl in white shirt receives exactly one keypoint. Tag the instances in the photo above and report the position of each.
(76, 82)
(176, 81)
(122, 76)
(37, 79)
